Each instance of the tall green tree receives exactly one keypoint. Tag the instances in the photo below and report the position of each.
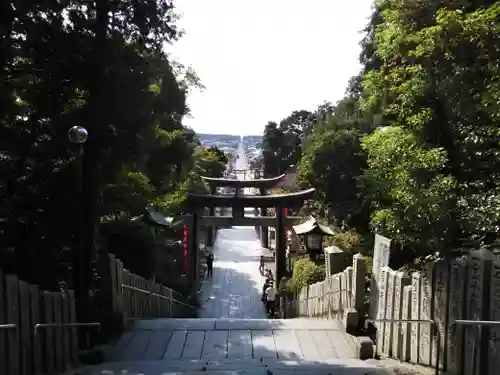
(99, 65)
(437, 83)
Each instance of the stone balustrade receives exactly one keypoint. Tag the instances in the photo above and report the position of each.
(460, 288)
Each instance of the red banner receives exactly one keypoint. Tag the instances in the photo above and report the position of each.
(285, 214)
(185, 248)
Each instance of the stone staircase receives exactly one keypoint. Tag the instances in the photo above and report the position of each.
(233, 346)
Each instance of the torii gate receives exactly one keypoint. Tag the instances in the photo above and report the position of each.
(195, 202)
(262, 184)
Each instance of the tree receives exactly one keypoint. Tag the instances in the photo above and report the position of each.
(211, 161)
(436, 82)
(100, 65)
(414, 143)
(271, 144)
(281, 143)
(332, 162)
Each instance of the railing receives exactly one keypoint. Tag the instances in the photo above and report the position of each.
(152, 294)
(431, 322)
(134, 297)
(479, 324)
(36, 329)
(297, 303)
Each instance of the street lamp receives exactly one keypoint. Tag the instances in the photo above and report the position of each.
(313, 232)
(314, 242)
(78, 135)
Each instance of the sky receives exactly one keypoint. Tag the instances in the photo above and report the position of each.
(259, 60)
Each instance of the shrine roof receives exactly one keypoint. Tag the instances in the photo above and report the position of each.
(312, 226)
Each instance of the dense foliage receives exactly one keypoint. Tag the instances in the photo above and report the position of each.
(306, 272)
(412, 151)
(100, 65)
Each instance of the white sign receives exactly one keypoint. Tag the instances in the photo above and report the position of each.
(381, 255)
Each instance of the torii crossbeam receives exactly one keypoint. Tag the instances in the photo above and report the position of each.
(194, 202)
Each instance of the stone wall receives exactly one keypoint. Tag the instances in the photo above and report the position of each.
(339, 296)
(461, 288)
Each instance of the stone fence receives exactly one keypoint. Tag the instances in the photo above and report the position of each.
(133, 297)
(339, 296)
(464, 288)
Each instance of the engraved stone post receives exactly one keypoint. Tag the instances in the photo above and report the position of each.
(400, 281)
(456, 310)
(440, 309)
(389, 306)
(406, 327)
(335, 260)
(494, 343)
(424, 352)
(478, 271)
(381, 310)
(381, 255)
(343, 286)
(358, 284)
(329, 300)
(348, 289)
(337, 296)
(415, 315)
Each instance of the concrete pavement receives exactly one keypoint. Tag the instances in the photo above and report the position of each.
(236, 287)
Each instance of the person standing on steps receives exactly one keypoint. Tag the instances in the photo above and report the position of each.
(271, 294)
(210, 265)
(264, 288)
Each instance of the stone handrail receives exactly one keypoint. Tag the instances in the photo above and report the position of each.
(345, 292)
(454, 293)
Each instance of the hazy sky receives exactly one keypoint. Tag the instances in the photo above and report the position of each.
(262, 59)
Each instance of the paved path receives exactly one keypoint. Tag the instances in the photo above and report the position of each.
(236, 287)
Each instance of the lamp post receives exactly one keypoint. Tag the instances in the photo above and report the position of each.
(78, 135)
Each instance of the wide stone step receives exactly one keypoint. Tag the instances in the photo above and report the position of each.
(249, 367)
(195, 324)
(224, 341)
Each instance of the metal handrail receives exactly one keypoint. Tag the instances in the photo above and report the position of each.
(8, 326)
(36, 328)
(64, 325)
(431, 322)
(479, 324)
(157, 295)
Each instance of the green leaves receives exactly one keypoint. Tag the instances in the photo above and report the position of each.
(428, 176)
(100, 65)
(306, 272)
(410, 192)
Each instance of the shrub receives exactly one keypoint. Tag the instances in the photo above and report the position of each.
(348, 240)
(133, 243)
(306, 272)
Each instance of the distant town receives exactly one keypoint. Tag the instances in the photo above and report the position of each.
(229, 144)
